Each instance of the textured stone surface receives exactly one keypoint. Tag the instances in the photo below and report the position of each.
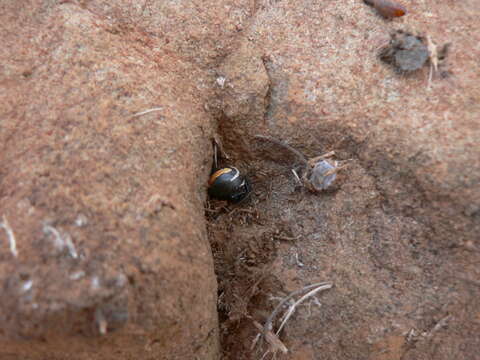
(106, 207)
(399, 237)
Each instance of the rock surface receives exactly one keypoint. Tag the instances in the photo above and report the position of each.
(399, 236)
(106, 202)
(106, 207)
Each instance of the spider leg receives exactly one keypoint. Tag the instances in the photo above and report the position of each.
(335, 170)
(316, 159)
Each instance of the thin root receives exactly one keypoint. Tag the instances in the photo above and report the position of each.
(267, 329)
(292, 308)
(283, 144)
(275, 343)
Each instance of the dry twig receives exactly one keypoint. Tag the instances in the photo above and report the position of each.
(292, 308)
(275, 343)
(266, 331)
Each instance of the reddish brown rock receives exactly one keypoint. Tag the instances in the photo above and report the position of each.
(399, 235)
(105, 206)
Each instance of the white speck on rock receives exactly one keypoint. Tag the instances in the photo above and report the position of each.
(221, 81)
(27, 285)
(95, 283)
(81, 220)
(10, 235)
(77, 275)
(60, 242)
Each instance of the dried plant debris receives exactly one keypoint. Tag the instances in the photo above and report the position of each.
(267, 331)
(387, 9)
(437, 56)
(318, 173)
(408, 53)
(405, 52)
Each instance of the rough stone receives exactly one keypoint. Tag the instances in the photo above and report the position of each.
(106, 206)
(399, 236)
